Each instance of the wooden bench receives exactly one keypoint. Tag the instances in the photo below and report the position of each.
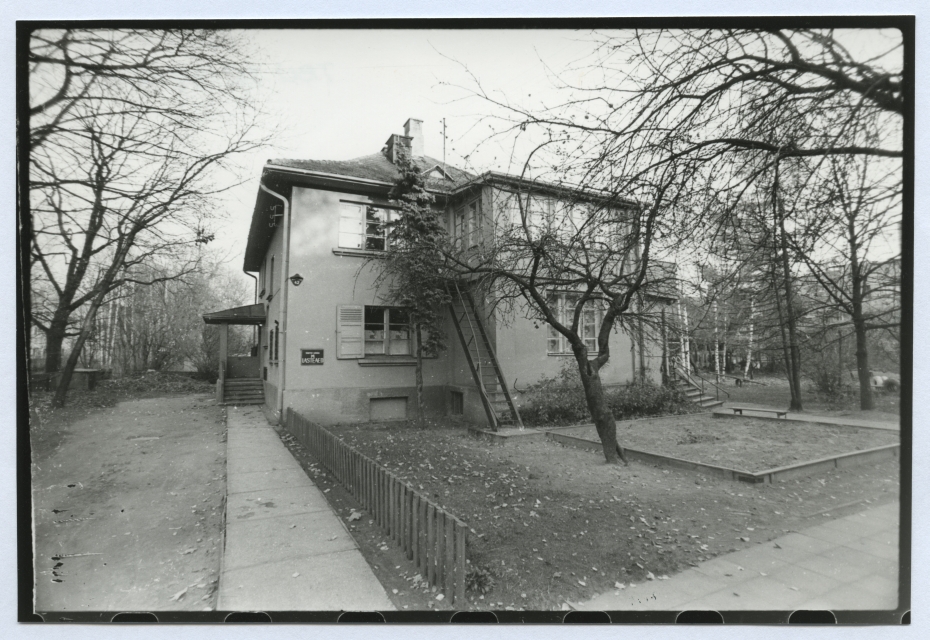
(740, 381)
(778, 412)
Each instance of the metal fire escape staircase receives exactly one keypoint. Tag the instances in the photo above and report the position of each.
(485, 369)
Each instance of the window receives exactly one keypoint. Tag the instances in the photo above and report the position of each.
(468, 225)
(538, 216)
(387, 331)
(536, 209)
(563, 306)
(365, 226)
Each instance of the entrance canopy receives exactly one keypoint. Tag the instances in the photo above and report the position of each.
(249, 314)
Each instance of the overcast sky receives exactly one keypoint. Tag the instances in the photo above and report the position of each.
(339, 94)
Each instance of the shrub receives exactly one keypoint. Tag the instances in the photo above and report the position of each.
(560, 400)
(647, 399)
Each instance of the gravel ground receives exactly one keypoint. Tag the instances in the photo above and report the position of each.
(128, 508)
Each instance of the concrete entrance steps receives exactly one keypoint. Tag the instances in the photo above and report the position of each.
(286, 550)
(694, 394)
(240, 391)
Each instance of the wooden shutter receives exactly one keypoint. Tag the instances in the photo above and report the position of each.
(349, 334)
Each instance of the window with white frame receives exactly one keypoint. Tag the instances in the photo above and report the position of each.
(563, 307)
(365, 226)
(387, 331)
(467, 224)
(537, 210)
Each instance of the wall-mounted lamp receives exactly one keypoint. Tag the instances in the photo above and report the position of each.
(296, 279)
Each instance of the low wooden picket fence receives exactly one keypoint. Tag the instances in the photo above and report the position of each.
(431, 537)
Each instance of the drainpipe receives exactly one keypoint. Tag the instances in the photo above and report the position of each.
(254, 300)
(284, 269)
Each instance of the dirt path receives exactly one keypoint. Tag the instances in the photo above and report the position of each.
(128, 509)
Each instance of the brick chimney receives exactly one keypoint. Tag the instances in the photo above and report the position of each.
(411, 141)
(413, 129)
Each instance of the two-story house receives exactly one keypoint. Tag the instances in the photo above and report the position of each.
(332, 348)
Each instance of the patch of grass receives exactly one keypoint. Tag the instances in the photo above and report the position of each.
(774, 392)
(746, 443)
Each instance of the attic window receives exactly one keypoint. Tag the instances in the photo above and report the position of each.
(438, 173)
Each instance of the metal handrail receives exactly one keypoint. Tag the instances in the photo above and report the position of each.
(689, 375)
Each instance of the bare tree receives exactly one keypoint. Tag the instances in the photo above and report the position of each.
(128, 131)
(584, 261)
(743, 107)
(854, 217)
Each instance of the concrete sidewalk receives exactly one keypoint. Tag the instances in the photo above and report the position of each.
(846, 564)
(813, 418)
(286, 550)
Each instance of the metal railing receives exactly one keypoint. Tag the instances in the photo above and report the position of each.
(689, 377)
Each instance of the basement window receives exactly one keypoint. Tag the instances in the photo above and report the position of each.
(458, 403)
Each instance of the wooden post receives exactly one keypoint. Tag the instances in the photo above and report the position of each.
(221, 363)
(440, 546)
(380, 488)
(376, 494)
(431, 544)
(408, 521)
(415, 556)
(402, 494)
(413, 524)
(415, 530)
(366, 478)
(450, 556)
(382, 498)
(460, 566)
(393, 507)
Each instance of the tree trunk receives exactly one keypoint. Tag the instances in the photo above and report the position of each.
(752, 320)
(716, 346)
(687, 342)
(665, 367)
(87, 326)
(421, 419)
(793, 362)
(54, 342)
(866, 400)
(794, 351)
(603, 418)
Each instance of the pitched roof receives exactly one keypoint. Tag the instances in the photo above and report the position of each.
(377, 167)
